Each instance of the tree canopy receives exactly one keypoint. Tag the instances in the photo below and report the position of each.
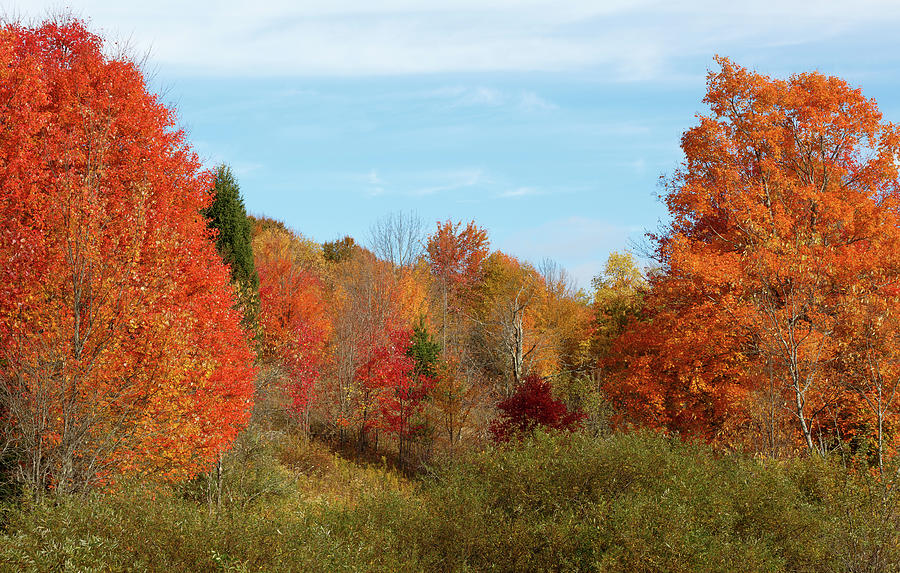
(120, 350)
(783, 243)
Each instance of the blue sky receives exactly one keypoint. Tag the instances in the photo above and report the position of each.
(547, 122)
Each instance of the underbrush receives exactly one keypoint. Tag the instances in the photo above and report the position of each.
(567, 502)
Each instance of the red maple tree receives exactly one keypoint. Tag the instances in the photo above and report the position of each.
(293, 315)
(119, 346)
(398, 392)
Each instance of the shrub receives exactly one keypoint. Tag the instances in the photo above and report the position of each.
(551, 502)
(532, 405)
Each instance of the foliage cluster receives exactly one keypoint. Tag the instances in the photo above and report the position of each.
(771, 322)
(532, 406)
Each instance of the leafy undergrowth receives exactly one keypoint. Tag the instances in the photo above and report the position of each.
(637, 502)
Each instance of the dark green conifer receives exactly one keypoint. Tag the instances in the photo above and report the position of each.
(228, 216)
(425, 350)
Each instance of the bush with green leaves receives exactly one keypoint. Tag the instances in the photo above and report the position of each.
(554, 502)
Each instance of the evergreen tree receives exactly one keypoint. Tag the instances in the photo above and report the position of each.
(228, 216)
(425, 350)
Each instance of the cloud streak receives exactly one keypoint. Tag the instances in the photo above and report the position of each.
(481, 96)
(457, 180)
(419, 183)
(519, 192)
(626, 40)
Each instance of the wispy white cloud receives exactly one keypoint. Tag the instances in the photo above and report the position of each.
(465, 184)
(372, 178)
(454, 181)
(372, 185)
(416, 183)
(478, 96)
(519, 192)
(531, 101)
(627, 40)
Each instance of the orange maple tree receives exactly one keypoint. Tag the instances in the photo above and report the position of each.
(119, 346)
(293, 315)
(455, 256)
(784, 218)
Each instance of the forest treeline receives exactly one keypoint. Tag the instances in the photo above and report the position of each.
(735, 402)
(410, 344)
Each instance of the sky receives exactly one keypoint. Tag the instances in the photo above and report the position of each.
(548, 122)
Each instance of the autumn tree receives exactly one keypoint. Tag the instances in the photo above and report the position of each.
(339, 250)
(617, 297)
(259, 223)
(120, 349)
(679, 367)
(561, 318)
(870, 334)
(293, 315)
(505, 333)
(455, 257)
(390, 376)
(785, 205)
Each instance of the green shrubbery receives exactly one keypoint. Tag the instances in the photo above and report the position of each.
(626, 503)
(635, 502)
